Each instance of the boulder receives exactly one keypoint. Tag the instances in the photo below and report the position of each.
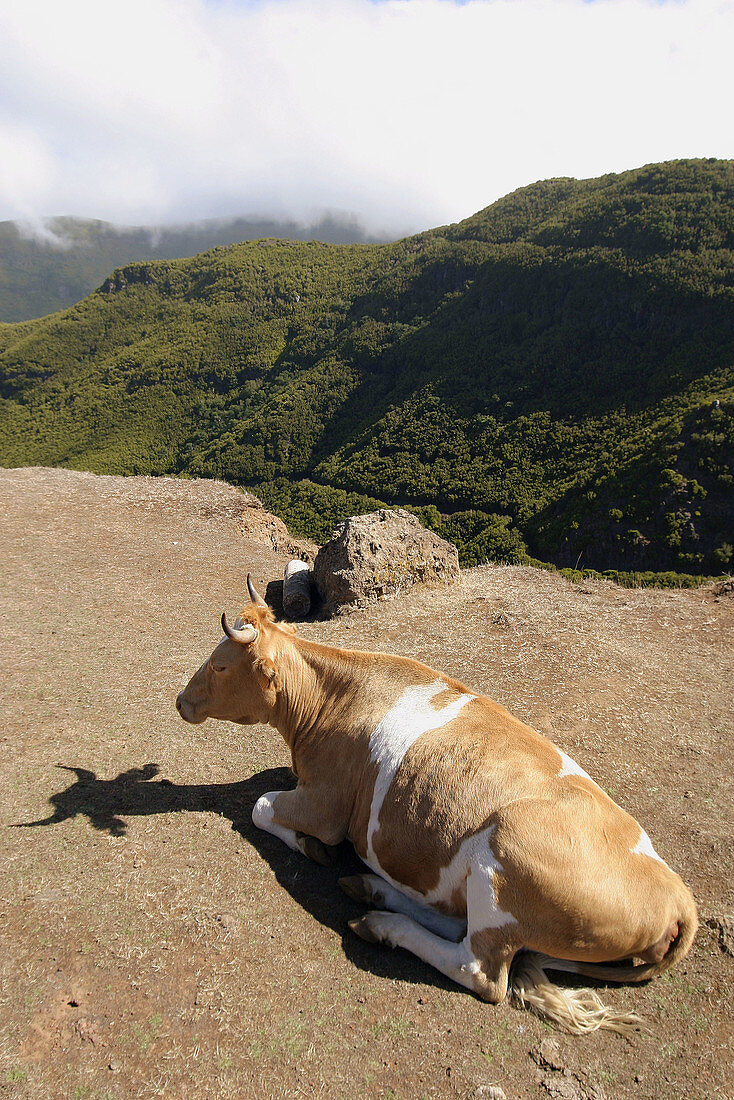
(376, 555)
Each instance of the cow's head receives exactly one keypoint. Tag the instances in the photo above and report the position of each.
(238, 682)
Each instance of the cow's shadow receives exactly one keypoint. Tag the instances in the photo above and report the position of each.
(106, 803)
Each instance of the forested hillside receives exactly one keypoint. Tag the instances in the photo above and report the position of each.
(62, 261)
(553, 376)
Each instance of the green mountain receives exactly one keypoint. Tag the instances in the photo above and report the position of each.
(554, 375)
(53, 269)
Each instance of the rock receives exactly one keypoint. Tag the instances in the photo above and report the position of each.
(562, 1076)
(549, 1054)
(296, 590)
(723, 588)
(87, 1028)
(724, 925)
(490, 1092)
(563, 1088)
(379, 554)
(228, 922)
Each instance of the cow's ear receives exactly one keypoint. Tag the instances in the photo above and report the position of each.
(267, 677)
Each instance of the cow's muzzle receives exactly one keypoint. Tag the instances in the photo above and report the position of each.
(184, 708)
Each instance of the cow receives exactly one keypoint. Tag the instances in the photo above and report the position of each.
(487, 846)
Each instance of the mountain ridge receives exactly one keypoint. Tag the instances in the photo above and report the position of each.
(565, 392)
(53, 265)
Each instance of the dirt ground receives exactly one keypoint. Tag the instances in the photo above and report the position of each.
(153, 943)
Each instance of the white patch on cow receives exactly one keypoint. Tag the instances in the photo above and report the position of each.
(472, 872)
(404, 723)
(644, 848)
(469, 874)
(570, 767)
(486, 912)
(411, 717)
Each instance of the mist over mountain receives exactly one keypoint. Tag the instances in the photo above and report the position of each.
(50, 265)
(552, 377)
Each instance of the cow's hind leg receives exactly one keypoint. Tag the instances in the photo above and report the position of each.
(486, 976)
(373, 890)
(481, 961)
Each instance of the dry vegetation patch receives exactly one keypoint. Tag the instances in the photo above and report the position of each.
(153, 943)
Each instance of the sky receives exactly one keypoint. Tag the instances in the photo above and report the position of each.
(405, 113)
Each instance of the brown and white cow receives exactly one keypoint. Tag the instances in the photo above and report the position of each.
(486, 841)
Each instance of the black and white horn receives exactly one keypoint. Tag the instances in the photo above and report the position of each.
(244, 635)
(254, 594)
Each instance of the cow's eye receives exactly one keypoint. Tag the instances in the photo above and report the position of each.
(219, 668)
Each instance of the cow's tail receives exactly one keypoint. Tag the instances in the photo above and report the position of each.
(579, 1011)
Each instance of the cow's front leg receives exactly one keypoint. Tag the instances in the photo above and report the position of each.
(373, 890)
(290, 816)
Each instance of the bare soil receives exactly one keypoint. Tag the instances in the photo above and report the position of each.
(153, 943)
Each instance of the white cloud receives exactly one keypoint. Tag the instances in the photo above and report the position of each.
(408, 112)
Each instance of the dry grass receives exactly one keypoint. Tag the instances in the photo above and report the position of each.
(153, 944)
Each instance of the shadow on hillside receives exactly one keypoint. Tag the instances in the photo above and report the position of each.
(136, 793)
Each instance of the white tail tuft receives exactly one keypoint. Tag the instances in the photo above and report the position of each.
(577, 1011)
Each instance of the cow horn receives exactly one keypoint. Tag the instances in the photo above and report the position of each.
(245, 635)
(254, 594)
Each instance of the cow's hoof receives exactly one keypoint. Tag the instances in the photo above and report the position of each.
(357, 888)
(315, 849)
(363, 930)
